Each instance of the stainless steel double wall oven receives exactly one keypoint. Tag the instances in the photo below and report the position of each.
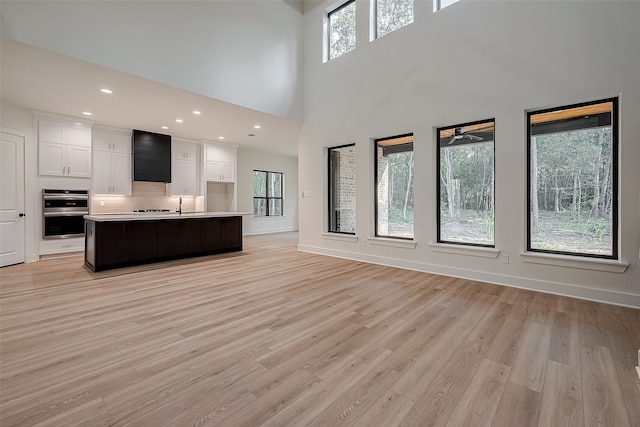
(63, 213)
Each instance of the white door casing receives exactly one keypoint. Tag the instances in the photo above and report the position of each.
(12, 231)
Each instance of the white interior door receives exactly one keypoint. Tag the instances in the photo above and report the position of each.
(11, 199)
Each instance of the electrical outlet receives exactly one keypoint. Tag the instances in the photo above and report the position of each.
(102, 203)
(505, 259)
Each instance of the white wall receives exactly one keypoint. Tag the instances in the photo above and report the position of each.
(250, 160)
(470, 61)
(243, 52)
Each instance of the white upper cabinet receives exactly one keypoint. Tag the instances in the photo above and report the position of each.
(185, 168)
(221, 163)
(64, 148)
(111, 163)
(108, 141)
(184, 150)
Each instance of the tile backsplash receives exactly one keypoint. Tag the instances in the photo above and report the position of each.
(144, 195)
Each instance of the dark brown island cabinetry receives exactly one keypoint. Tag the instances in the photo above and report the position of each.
(114, 244)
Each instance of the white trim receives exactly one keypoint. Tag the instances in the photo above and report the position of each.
(584, 263)
(394, 243)
(268, 218)
(478, 251)
(341, 237)
(623, 299)
(268, 231)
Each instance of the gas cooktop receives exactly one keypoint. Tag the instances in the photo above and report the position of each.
(151, 210)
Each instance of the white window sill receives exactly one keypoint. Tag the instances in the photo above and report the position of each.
(395, 243)
(477, 251)
(585, 263)
(341, 237)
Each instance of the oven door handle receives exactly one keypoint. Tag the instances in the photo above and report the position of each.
(65, 197)
(49, 214)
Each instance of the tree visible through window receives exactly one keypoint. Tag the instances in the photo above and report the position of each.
(573, 180)
(466, 184)
(342, 189)
(341, 29)
(394, 187)
(267, 193)
(392, 14)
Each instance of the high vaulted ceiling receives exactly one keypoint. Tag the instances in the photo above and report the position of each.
(236, 62)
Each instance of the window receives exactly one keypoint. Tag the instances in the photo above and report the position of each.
(267, 193)
(572, 179)
(342, 189)
(391, 15)
(394, 186)
(466, 184)
(441, 4)
(341, 30)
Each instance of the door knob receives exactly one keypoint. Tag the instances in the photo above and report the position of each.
(21, 215)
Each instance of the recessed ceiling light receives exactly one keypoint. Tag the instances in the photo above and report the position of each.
(165, 127)
(257, 126)
(86, 113)
(105, 90)
(221, 137)
(196, 112)
(179, 120)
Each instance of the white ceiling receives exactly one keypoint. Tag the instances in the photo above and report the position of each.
(235, 61)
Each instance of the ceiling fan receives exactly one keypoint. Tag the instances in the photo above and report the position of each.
(459, 133)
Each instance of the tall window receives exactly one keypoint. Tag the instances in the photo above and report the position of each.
(342, 189)
(267, 193)
(341, 29)
(466, 184)
(394, 186)
(391, 15)
(572, 179)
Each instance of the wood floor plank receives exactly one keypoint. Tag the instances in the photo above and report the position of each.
(519, 406)
(276, 337)
(562, 397)
(530, 364)
(478, 404)
(604, 403)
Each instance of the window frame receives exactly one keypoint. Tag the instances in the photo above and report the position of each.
(328, 29)
(375, 185)
(267, 198)
(331, 188)
(439, 184)
(614, 178)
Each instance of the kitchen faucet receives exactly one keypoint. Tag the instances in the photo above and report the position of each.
(180, 206)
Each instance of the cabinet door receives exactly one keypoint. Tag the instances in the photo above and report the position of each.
(52, 159)
(190, 177)
(106, 141)
(214, 172)
(52, 131)
(111, 243)
(177, 186)
(78, 161)
(142, 240)
(121, 173)
(233, 233)
(228, 172)
(79, 135)
(213, 229)
(102, 173)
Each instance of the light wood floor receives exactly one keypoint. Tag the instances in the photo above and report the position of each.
(272, 336)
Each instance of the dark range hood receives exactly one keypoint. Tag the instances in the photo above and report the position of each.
(151, 156)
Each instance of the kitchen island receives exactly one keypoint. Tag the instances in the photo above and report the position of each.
(120, 240)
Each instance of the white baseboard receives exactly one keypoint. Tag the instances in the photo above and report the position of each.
(564, 289)
(268, 231)
(638, 367)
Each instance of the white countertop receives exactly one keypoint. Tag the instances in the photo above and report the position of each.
(146, 216)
